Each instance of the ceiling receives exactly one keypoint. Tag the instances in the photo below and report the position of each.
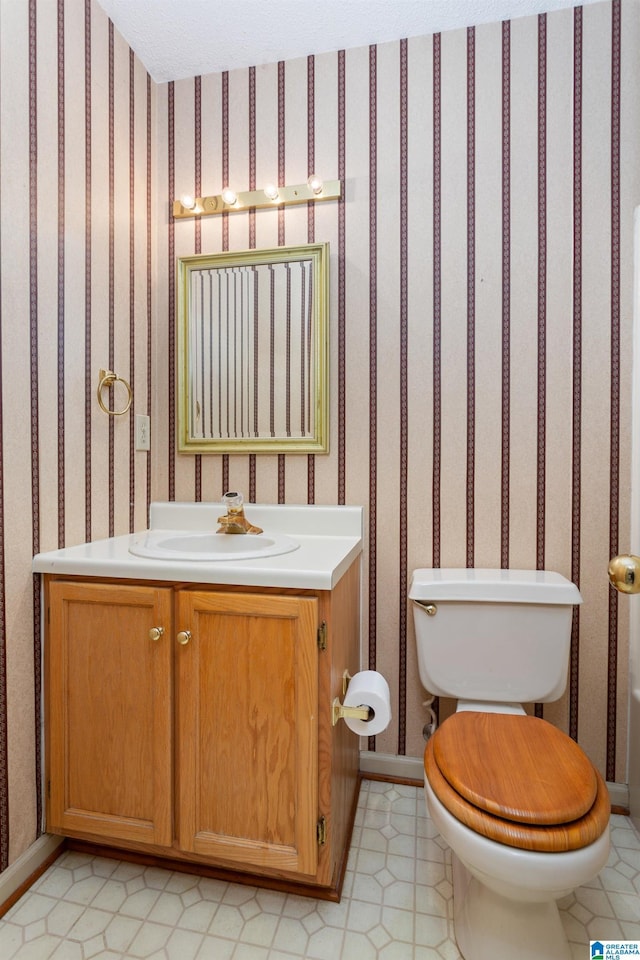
(175, 39)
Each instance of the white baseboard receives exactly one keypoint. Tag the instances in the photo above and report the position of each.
(27, 863)
(619, 794)
(390, 765)
(411, 768)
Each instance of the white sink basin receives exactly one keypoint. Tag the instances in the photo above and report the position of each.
(206, 546)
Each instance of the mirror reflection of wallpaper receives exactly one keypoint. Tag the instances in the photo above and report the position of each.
(251, 351)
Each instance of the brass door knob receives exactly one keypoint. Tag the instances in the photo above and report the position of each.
(183, 637)
(155, 633)
(624, 573)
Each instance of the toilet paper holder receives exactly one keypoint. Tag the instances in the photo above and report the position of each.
(339, 711)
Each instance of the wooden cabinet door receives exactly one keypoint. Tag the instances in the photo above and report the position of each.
(247, 757)
(109, 712)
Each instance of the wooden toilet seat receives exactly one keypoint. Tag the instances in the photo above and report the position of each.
(517, 780)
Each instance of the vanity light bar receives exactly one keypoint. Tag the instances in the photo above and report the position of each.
(251, 199)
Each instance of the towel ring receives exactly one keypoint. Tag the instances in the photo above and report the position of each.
(107, 379)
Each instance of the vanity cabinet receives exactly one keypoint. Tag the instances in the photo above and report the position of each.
(194, 722)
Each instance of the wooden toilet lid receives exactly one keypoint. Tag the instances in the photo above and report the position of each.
(516, 767)
(524, 836)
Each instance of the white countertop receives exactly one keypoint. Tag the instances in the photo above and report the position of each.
(329, 537)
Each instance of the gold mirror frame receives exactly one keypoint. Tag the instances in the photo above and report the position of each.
(302, 324)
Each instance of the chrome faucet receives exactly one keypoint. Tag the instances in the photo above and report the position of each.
(234, 520)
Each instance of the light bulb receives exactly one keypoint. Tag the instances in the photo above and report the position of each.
(229, 196)
(315, 184)
(187, 201)
(271, 191)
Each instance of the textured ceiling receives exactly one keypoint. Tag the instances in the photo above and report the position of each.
(185, 38)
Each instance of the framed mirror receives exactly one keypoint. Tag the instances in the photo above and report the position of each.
(252, 351)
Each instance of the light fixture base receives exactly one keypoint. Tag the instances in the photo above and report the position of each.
(253, 199)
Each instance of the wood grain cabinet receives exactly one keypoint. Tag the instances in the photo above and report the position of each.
(193, 722)
(109, 705)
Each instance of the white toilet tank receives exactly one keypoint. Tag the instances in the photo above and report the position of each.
(493, 635)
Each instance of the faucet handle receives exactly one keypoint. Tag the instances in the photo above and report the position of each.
(234, 521)
(233, 501)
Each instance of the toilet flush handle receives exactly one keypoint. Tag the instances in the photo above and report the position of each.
(429, 608)
(624, 573)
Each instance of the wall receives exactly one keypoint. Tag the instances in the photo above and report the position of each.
(75, 283)
(480, 317)
(480, 313)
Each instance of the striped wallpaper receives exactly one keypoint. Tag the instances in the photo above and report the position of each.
(480, 342)
(76, 295)
(481, 290)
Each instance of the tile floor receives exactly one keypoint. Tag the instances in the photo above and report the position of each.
(396, 902)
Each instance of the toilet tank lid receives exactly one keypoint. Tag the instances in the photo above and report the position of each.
(497, 586)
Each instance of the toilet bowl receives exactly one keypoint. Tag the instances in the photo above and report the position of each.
(505, 898)
(522, 808)
(526, 816)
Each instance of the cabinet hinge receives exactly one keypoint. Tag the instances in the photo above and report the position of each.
(322, 636)
(49, 789)
(321, 831)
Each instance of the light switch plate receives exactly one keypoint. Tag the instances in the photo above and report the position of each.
(143, 432)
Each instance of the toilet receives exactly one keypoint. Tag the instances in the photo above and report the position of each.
(523, 809)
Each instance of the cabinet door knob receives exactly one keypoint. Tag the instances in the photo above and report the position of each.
(184, 636)
(155, 633)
